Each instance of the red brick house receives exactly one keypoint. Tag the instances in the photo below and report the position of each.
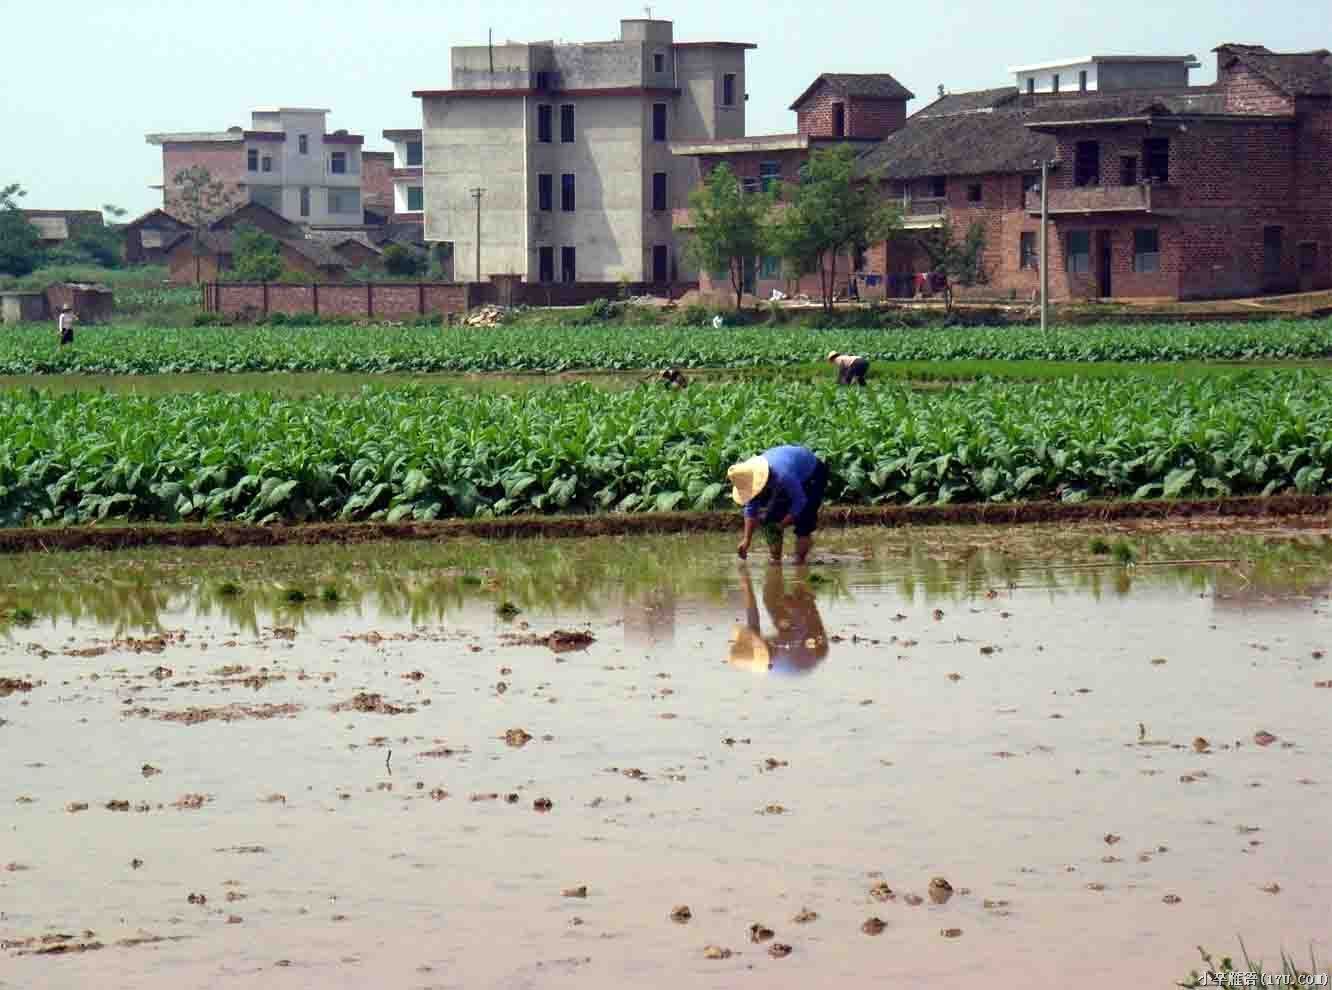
(314, 258)
(148, 237)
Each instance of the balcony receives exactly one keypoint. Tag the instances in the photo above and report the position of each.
(920, 212)
(1088, 200)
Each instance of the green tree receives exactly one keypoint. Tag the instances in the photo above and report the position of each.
(728, 226)
(832, 211)
(400, 261)
(196, 200)
(20, 243)
(256, 256)
(958, 261)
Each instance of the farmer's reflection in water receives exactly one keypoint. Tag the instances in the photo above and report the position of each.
(795, 643)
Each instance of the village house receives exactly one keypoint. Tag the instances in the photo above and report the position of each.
(55, 227)
(561, 153)
(148, 237)
(314, 258)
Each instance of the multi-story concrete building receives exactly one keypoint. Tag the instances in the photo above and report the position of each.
(407, 175)
(287, 161)
(1094, 73)
(566, 149)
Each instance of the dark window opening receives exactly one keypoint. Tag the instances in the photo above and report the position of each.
(1156, 159)
(1087, 164)
(1128, 170)
(1028, 256)
(567, 192)
(1054, 83)
(305, 201)
(1147, 250)
(546, 264)
(303, 144)
(661, 268)
(658, 191)
(268, 163)
(938, 187)
(1082, 81)
(544, 112)
(1078, 252)
(728, 89)
(770, 173)
(415, 199)
(1031, 182)
(566, 123)
(1272, 251)
(414, 154)
(659, 122)
(1031, 85)
(974, 193)
(545, 192)
(749, 184)
(839, 120)
(337, 162)
(543, 80)
(568, 266)
(252, 159)
(658, 62)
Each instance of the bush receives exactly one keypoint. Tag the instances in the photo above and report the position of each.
(400, 261)
(257, 255)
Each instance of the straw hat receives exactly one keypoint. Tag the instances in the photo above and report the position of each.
(832, 354)
(749, 651)
(747, 479)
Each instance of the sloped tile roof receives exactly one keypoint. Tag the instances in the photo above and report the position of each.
(976, 101)
(1294, 73)
(866, 85)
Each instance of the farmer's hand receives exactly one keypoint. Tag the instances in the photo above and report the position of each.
(743, 550)
(788, 521)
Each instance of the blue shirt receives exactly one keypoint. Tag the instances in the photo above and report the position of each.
(789, 467)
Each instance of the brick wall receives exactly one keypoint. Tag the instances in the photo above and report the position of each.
(1313, 187)
(183, 266)
(225, 161)
(1247, 92)
(377, 179)
(378, 300)
(863, 118)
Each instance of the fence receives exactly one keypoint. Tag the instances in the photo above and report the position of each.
(400, 300)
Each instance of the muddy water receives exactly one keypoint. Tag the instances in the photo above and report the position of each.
(746, 741)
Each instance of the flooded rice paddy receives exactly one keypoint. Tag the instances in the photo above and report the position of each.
(932, 758)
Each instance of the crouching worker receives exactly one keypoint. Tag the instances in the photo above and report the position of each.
(851, 368)
(783, 487)
(674, 378)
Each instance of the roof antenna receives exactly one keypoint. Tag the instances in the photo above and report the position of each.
(648, 11)
(490, 45)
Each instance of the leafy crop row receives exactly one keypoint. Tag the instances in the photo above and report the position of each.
(425, 453)
(137, 350)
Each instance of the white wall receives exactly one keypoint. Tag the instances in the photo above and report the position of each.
(1068, 78)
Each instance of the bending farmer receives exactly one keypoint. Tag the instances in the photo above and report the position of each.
(851, 368)
(783, 486)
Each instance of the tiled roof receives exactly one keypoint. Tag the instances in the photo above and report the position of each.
(1128, 103)
(976, 101)
(866, 85)
(1294, 73)
(963, 142)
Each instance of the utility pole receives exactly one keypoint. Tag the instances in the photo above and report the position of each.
(1045, 240)
(476, 195)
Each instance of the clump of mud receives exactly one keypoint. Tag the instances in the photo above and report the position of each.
(224, 713)
(375, 703)
(560, 641)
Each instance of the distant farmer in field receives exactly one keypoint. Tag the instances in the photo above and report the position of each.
(782, 487)
(674, 378)
(65, 323)
(851, 368)
(798, 641)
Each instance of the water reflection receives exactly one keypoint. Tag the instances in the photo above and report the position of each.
(797, 642)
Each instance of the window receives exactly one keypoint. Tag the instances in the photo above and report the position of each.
(566, 123)
(659, 122)
(305, 201)
(1031, 85)
(974, 192)
(658, 61)
(567, 192)
(267, 163)
(337, 163)
(1054, 83)
(344, 201)
(1156, 159)
(252, 159)
(658, 191)
(938, 187)
(1272, 251)
(770, 173)
(545, 192)
(415, 199)
(543, 80)
(1028, 256)
(728, 89)
(1031, 183)
(149, 238)
(839, 119)
(770, 266)
(661, 263)
(749, 184)
(546, 264)
(303, 144)
(1078, 255)
(544, 117)
(269, 196)
(568, 265)
(1087, 163)
(414, 154)
(1128, 170)
(1082, 81)
(1147, 250)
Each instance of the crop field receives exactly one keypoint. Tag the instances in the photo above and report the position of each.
(131, 349)
(418, 453)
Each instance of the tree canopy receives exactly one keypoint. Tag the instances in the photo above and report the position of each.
(728, 226)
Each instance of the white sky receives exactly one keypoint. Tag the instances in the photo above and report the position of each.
(85, 80)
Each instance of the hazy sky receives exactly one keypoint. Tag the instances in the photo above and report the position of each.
(85, 80)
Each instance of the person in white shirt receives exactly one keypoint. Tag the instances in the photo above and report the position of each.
(851, 368)
(65, 323)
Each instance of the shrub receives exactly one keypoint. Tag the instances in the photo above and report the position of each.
(400, 261)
